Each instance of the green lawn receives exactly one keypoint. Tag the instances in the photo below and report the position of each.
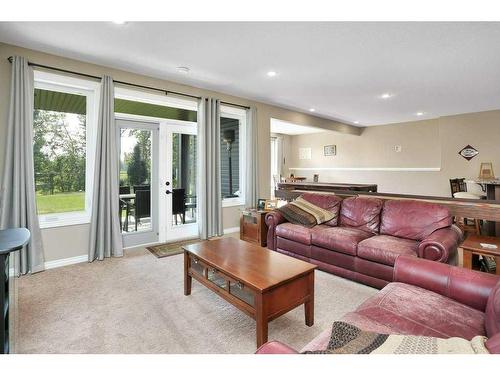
(60, 202)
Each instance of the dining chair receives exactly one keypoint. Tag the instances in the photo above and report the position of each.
(458, 188)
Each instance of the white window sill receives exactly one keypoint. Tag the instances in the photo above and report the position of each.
(63, 219)
(233, 202)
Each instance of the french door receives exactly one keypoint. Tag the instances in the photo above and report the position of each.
(139, 181)
(158, 181)
(178, 171)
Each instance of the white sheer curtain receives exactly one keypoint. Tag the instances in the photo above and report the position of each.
(105, 237)
(209, 181)
(17, 194)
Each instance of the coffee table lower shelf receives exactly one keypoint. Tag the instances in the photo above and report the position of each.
(263, 306)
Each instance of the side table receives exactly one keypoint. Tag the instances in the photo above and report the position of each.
(253, 226)
(472, 245)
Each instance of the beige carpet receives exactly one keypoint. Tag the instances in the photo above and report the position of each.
(136, 304)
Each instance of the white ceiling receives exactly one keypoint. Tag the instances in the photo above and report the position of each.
(338, 68)
(284, 127)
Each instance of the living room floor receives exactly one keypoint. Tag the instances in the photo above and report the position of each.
(136, 304)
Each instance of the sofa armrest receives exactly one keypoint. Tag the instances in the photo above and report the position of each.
(468, 287)
(273, 219)
(275, 347)
(441, 245)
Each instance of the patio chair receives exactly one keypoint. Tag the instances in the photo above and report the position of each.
(142, 205)
(179, 204)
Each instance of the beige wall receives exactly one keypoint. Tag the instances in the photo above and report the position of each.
(71, 241)
(425, 144)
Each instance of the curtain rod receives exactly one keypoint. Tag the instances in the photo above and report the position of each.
(235, 105)
(118, 82)
(123, 82)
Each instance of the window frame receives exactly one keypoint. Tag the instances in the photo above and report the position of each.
(241, 115)
(89, 89)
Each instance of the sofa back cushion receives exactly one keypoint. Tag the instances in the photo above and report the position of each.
(492, 318)
(330, 202)
(362, 213)
(411, 219)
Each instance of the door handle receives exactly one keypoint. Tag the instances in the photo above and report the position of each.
(168, 192)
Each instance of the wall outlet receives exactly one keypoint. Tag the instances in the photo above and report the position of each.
(398, 148)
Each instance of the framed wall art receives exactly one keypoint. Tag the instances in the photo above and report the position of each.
(330, 150)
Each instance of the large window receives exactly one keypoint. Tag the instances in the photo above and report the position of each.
(232, 155)
(62, 114)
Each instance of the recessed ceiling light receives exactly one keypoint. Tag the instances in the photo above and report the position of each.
(119, 22)
(271, 73)
(183, 69)
(420, 113)
(356, 122)
(312, 110)
(386, 95)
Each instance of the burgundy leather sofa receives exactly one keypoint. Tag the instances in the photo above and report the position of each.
(366, 236)
(427, 299)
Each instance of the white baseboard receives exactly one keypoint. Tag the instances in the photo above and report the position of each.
(231, 230)
(84, 258)
(66, 261)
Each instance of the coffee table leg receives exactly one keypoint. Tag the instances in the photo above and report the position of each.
(261, 320)
(309, 304)
(187, 278)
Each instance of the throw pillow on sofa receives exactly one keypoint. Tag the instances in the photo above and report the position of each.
(321, 215)
(305, 213)
(296, 215)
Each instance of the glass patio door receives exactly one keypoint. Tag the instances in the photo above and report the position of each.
(138, 195)
(180, 181)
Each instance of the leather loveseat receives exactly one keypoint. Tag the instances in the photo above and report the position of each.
(366, 236)
(426, 299)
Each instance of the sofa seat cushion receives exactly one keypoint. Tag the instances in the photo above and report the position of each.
(342, 239)
(385, 249)
(408, 309)
(294, 232)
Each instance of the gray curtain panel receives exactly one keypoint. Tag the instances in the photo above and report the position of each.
(209, 183)
(252, 152)
(105, 236)
(17, 195)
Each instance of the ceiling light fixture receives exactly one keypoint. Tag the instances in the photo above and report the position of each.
(183, 69)
(356, 122)
(119, 22)
(312, 110)
(386, 95)
(271, 73)
(420, 113)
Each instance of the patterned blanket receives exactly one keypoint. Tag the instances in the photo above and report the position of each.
(348, 339)
(320, 214)
(305, 213)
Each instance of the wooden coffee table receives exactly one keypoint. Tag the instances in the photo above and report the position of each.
(262, 283)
